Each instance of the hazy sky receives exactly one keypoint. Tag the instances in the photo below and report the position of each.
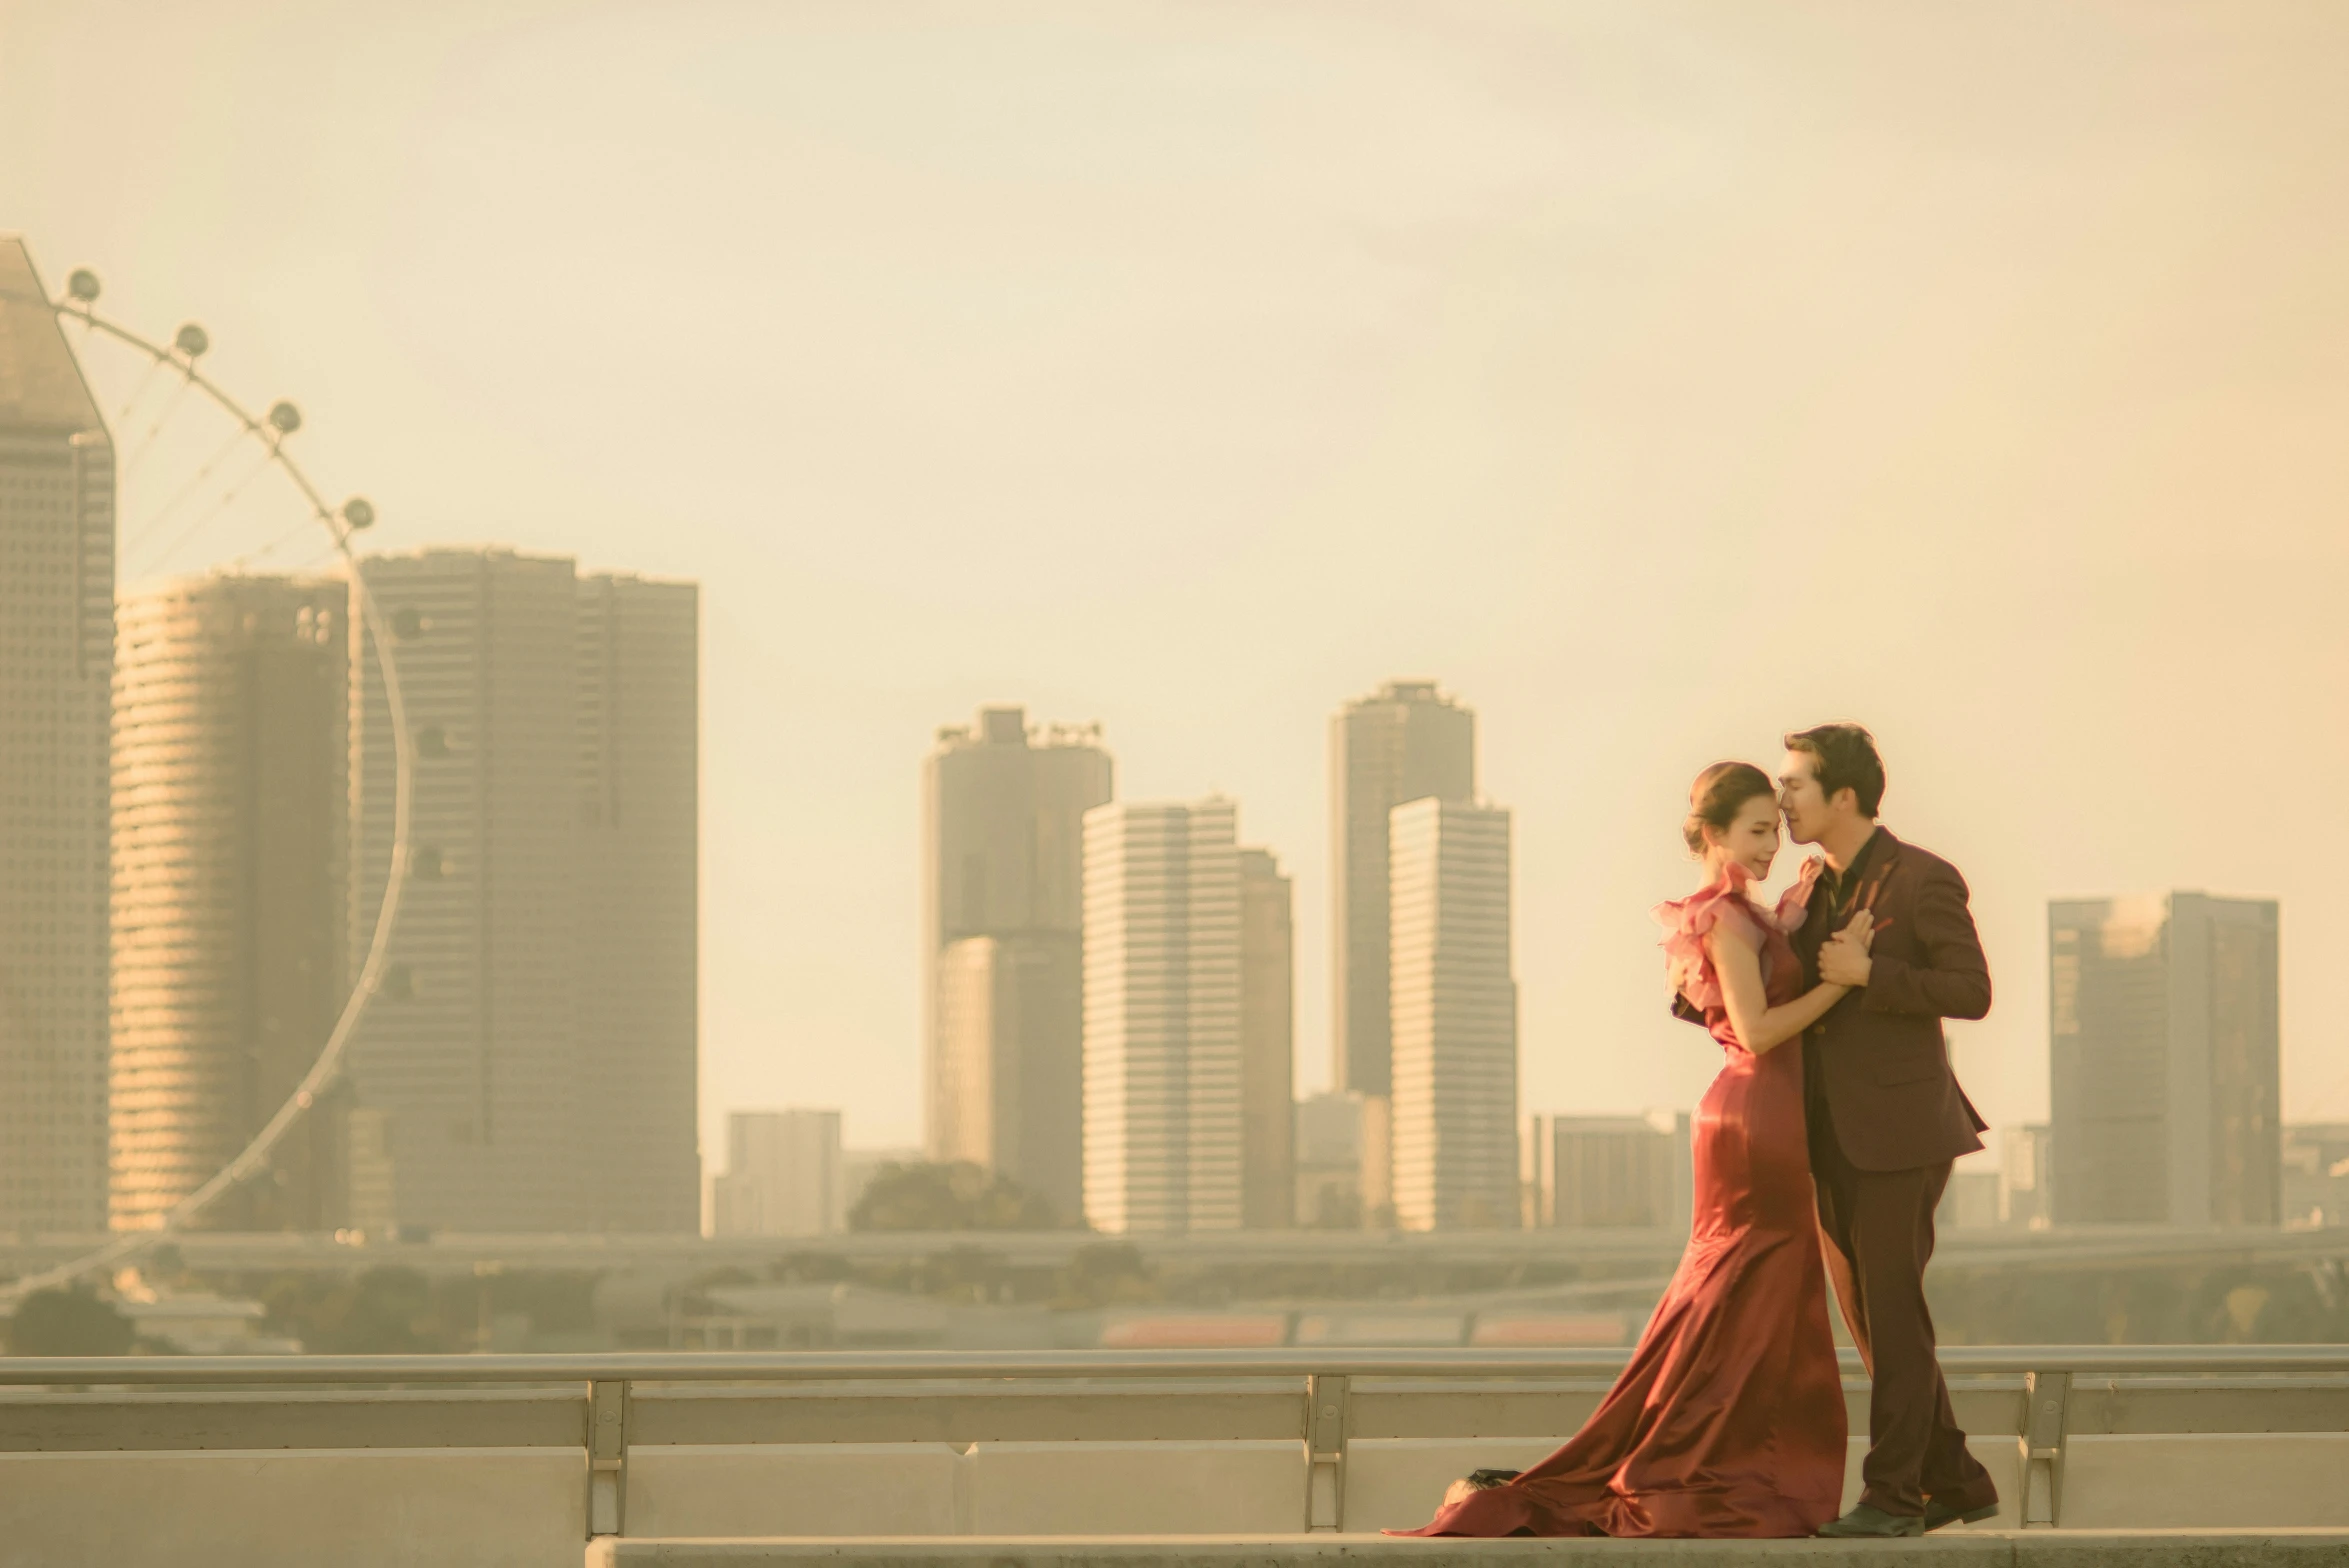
(1657, 377)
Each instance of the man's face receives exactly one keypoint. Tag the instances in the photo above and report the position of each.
(1800, 800)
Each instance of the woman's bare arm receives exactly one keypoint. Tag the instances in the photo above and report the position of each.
(1734, 946)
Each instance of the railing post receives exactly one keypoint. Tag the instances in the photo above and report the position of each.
(1325, 1452)
(2046, 1398)
(607, 1457)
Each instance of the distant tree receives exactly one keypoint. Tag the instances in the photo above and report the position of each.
(382, 1312)
(956, 1196)
(74, 1321)
(394, 1309)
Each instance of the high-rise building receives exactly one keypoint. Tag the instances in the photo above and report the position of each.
(231, 754)
(1601, 1172)
(2165, 1053)
(1404, 742)
(783, 1175)
(541, 976)
(1163, 1129)
(638, 879)
(56, 676)
(1454, 996)
(1002, 865)
(1268, 1173)
(1010, 1083)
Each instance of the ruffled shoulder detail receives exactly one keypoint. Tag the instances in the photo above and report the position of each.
(1794, 906)
(1686, 922)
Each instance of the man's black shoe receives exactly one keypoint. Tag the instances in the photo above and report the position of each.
(1868, 1522)
(1938, 1513)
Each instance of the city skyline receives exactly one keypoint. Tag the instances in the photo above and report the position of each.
(207, 661)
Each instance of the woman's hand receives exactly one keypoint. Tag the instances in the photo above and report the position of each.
(1844, 960)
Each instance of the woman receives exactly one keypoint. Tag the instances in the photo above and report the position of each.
(1729, 1420)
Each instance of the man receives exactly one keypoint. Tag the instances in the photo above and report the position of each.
(1886, 1116)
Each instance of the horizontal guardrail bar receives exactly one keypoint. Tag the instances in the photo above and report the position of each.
(1283, 1362)
(151, 1420)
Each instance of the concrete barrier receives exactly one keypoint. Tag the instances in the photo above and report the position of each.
(354, 1508)
(1142, 1488)
(1395, 1483)
(797, 1489)
(2242, 1480)
(490, 1459)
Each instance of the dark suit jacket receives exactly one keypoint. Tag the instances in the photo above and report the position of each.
(1882, 1059)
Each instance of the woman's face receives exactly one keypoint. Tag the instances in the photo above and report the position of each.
(1751, 840)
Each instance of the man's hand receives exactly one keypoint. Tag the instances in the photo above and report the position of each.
(1844, 960)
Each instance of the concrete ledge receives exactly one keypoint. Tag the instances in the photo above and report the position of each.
(274, 1508)
(811, 1489)
(1090, 1489)
(2182, 1481)
(1979, 1549)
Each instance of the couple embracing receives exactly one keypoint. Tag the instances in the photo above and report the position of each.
(1822, 1149)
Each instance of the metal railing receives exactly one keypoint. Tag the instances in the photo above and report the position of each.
(1276, 1362)
(2039, 1380)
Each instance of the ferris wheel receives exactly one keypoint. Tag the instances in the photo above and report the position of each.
(202, 452)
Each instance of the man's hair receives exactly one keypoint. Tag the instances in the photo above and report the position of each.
(1847, 759)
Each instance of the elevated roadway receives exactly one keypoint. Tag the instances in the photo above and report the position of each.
(224, 1251)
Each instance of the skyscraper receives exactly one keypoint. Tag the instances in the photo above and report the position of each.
(1010, 1092)
(639, 683)
(56, 675)
(1403, 742)
(2165, 1054)
(1002, 868)
(1163, 1129)
(1268, 1176)
(231, 754)
(1455, 1018)
(532, 1053)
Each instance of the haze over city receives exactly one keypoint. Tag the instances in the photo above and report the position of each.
(930, 782)
(1656, 381)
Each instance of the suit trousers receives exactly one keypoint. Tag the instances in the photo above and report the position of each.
(1879, 1230)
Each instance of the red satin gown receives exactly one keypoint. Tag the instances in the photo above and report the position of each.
(1729, 1421)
